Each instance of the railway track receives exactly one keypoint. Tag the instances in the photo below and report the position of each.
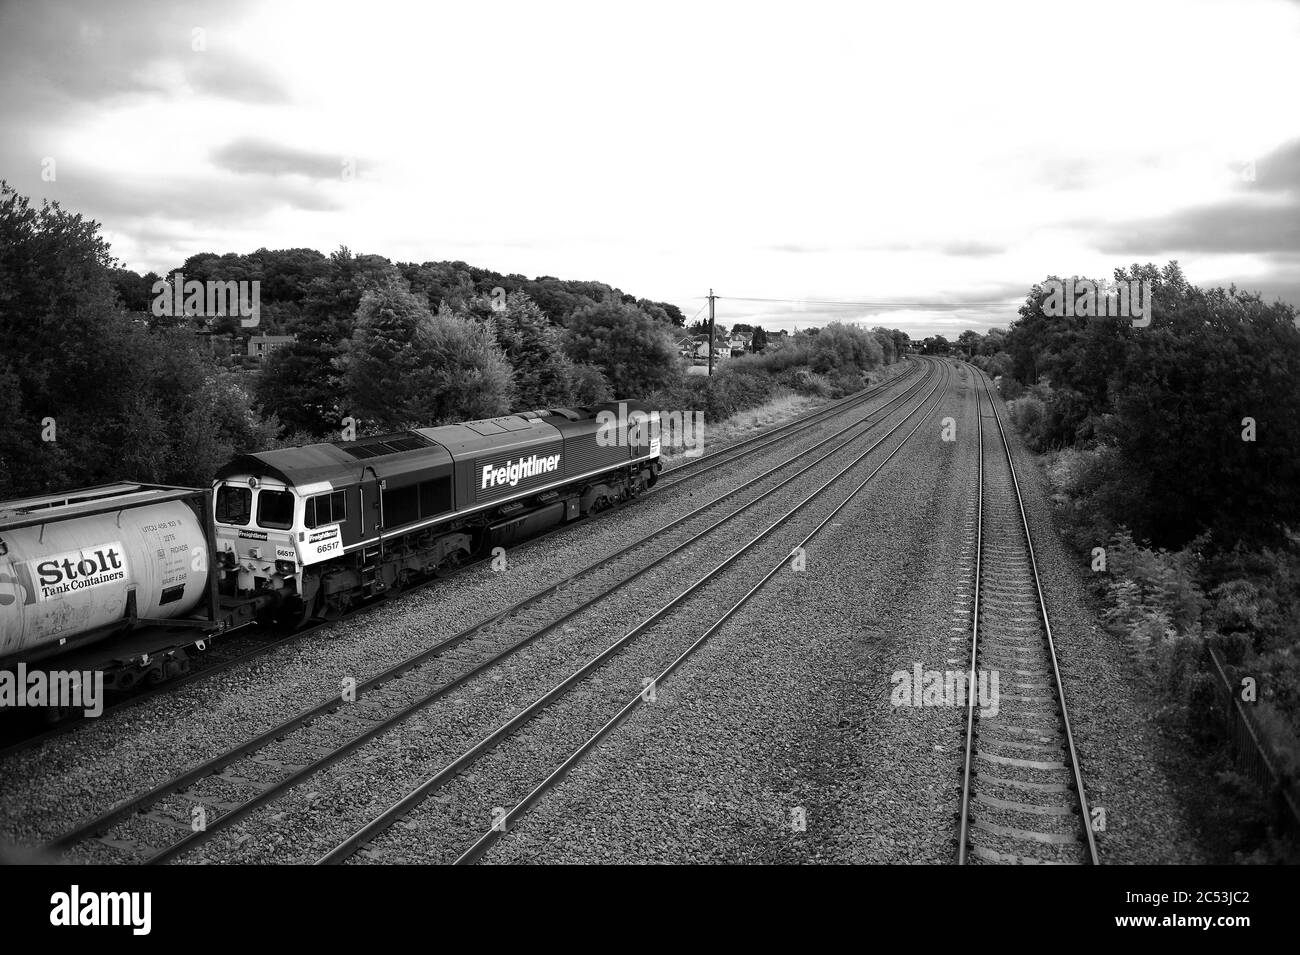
(533, 736)
(250, 647)
(387, 700)
(707, 462)
(1023, 797)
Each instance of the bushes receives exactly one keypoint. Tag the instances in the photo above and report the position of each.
(776, 358)
(1167, 579)
(1166, 605)
(1028, 414)
(839, 347)
(805, 382)
(1174, 398)
(719, 396)
(1049, 418)
(999, 364)
(1010, 388)
(633, 349)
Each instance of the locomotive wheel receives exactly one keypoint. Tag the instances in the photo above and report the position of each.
(292, 615)
(451, 563)
(336, 606)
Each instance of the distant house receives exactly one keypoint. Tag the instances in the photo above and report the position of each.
(721, 349)
(740, 344)
(260, 346)
(685, 345)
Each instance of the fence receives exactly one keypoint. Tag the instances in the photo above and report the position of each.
(1251, 758)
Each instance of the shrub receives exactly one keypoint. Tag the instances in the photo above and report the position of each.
(839, 347)
(1027, 414)
(632, 349)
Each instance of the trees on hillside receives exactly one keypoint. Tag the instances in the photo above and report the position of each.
(301, 382)
(90, 393)
(407, 367)
(885, 338)
(632, 349)
(968, 342)
(1196, 412)
(543, 373)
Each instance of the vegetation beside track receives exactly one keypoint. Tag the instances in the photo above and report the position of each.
(1173, 457)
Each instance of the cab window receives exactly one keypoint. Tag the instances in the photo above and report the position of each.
(275, 509)
(234, 504)
(326, 509)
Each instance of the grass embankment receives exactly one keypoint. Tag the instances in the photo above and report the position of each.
(754, 393)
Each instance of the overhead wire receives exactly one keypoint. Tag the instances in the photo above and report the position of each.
(919, 306)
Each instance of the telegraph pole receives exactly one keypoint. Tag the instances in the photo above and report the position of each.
(711, 298)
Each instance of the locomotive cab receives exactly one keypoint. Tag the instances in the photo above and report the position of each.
(257, 520)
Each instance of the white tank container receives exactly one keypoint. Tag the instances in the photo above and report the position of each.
(62, 579)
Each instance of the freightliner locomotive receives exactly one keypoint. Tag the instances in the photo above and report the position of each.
(133, 578)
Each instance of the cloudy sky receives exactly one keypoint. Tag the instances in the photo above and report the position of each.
(942, 156)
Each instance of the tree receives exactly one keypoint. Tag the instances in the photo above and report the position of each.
(969, 342)
(1205, 405)
(544, 376)
(91, 394)
(760, 339)
(994, 341)
(465, 376)
(886, 340)
(1190, 418)
(135, 291)
(936, 345)
(674, 314)
(301, 383)
(845, 347)
(633, 350)
(406, 367)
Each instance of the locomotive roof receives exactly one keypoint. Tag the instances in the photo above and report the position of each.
(387, 456)
(401, 452)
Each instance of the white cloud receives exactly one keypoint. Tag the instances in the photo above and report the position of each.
(671, 148)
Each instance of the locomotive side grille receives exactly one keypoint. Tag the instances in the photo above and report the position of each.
(583, 454)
